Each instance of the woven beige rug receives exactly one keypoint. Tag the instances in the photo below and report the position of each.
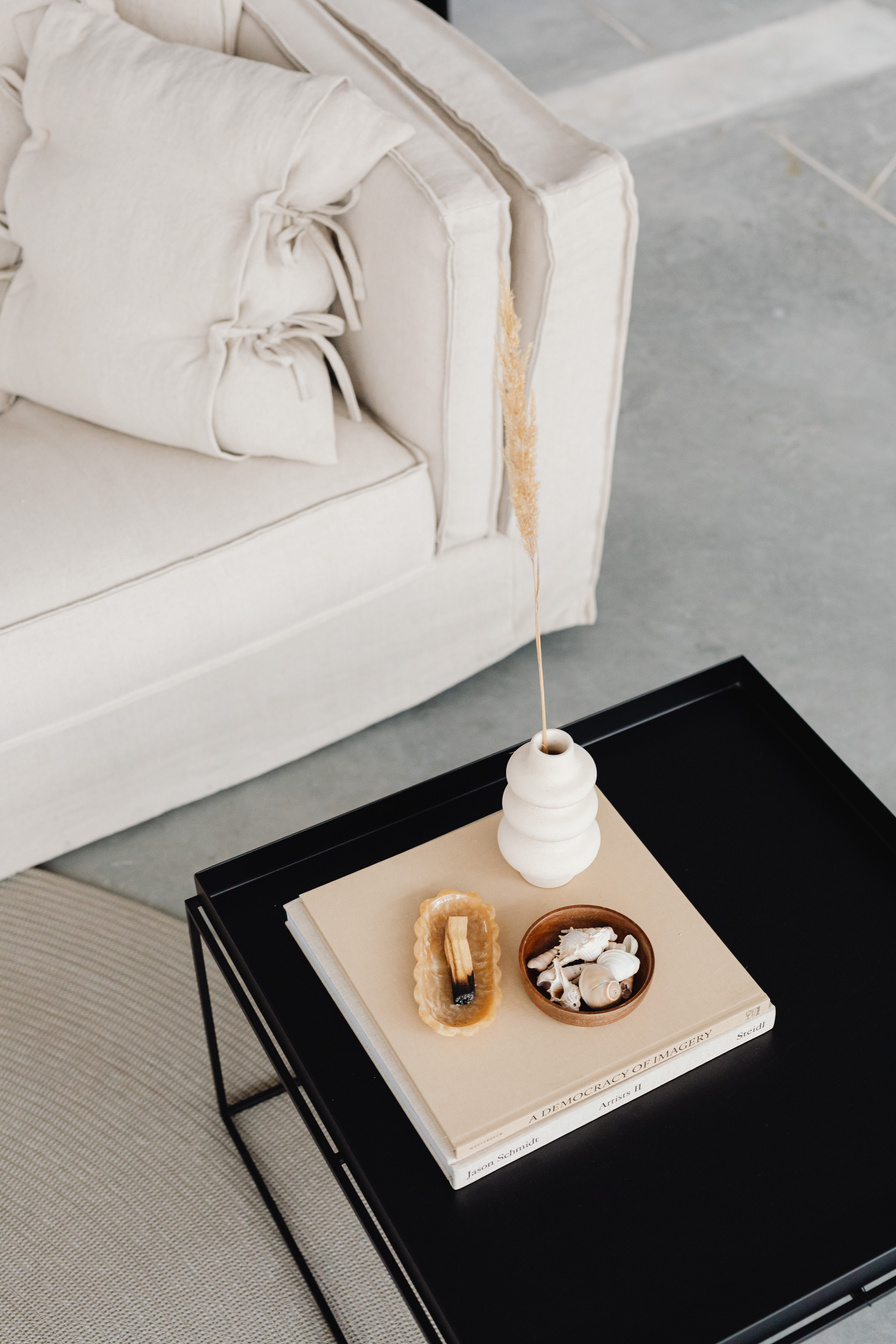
(125, 1213)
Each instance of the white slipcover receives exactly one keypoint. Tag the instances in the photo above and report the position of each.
(383, 606)
(178, 566)
(574, 230)
(424, 361)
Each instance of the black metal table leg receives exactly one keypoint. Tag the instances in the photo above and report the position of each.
(227, 1112)
(202, 938)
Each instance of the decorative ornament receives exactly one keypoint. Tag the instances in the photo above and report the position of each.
(457, 975)
(548, 831)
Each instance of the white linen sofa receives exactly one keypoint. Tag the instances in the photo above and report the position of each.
(171, 624)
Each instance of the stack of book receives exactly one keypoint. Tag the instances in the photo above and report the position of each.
(484, 1101)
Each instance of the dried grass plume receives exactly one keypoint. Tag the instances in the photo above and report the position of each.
(520, 424)
(520, 443)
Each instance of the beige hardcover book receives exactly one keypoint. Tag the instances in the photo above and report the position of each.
(524, 1066)
(462, 1171)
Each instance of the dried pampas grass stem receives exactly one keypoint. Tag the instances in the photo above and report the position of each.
(520, 441)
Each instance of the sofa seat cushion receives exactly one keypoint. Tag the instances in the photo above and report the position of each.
(125, 562)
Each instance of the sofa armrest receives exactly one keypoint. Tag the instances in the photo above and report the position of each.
(574, 221)
(432, 229)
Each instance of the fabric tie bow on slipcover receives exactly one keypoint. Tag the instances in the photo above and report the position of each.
(344, 265)
(7, 272)
(11, 84)
(283, 342)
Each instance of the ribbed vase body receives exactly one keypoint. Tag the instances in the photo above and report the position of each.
(549, 830)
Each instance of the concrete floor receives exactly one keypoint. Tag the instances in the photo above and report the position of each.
(754, 498)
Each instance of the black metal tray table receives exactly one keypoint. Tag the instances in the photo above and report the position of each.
(756, 1194)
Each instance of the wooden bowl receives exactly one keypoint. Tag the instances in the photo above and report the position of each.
(545, 934)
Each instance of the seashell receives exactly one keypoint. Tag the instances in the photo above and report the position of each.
(558, 987)
(629, 944)
(621, 963)
(598, 986)
(583, 944)
(542, 962)
(574, 970)
(546, 979)
(551, 981)
(571, 998)
(432, 980)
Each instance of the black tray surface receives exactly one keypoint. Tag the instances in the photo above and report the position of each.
(726, 1203)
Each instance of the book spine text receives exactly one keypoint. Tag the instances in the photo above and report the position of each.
(629, 1073)
(465, 1171)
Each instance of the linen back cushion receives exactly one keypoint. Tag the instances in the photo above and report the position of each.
(200, 23)
(146, 199)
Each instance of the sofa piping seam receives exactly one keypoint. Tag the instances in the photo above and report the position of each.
(183, 563)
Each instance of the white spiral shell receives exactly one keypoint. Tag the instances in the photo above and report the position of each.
(598, 986)
(559, 988)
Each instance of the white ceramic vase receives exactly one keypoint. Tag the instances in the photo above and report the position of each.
(549, 831)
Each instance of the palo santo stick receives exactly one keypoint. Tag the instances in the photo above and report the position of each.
(460, 959)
